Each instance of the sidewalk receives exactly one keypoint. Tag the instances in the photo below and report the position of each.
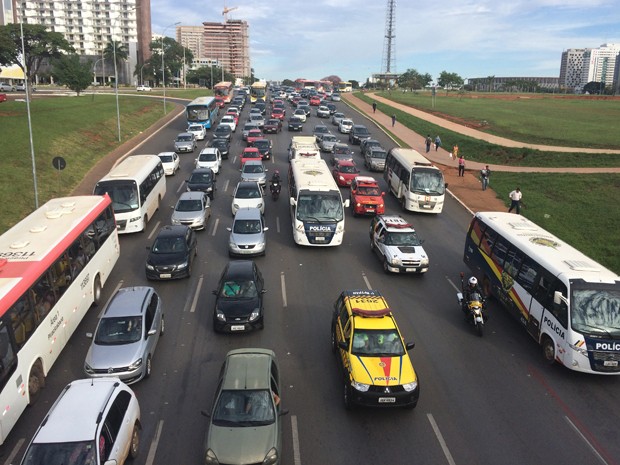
(467, 189)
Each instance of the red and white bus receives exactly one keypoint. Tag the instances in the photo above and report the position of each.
(224, 90)
(53, 265)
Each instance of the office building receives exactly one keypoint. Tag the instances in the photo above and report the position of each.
(571, 69)
(600, 64)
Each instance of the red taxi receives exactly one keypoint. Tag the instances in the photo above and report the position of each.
(366, 196)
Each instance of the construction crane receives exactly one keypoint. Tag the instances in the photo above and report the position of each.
(228, 10)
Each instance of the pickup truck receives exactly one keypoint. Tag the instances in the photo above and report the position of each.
(395, 241)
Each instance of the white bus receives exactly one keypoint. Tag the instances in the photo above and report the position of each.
(566, 301)
(317, 210)
(415, 181)
(137, 186)
(53, 265)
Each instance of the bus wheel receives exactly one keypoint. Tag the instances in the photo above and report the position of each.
(36, 382)
(403, 203)
(548, 349)
(97, 291)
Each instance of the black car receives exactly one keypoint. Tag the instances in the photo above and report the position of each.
(223, 145)
(264, 147)
(239, 298)
(332, 108)
(358, 133)
(261, 106)
(295, 124)
(172, 254)
(272, 126)
(222, 131)
(305, 108)
(202, 179)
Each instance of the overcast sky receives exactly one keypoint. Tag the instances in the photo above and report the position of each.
(313, 39)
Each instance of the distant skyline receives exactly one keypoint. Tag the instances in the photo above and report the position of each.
(300, 39)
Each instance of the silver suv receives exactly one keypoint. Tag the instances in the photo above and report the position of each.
(126, 336)
(92, 421)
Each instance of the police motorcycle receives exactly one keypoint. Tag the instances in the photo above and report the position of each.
(473, 307)
(275, 185)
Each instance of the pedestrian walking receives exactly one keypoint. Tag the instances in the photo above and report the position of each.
(437, 143)
(515, 200)
(393, 120)
(461, 166)
(455, 151)
(484, 176)
(374, 108)
(428, 142)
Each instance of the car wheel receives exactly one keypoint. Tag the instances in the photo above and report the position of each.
(162, 327)
(149, 367)
(346, 397)
(135, 442)
(386, 266)
(334, 340)
(548, 350)
(372, 244)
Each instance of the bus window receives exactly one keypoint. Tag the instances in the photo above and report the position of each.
(513, 262)
(43, 297)
(543, 287)
(23, 320)
(560, 311)
(527, 274)
(500, 251)
(488, 240)
(8, 359)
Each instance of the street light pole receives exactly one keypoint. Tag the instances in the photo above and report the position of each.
(163, 69)
(141, 80)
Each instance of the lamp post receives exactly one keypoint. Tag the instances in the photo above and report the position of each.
(141, 80)
(163, 69)
(34, 165)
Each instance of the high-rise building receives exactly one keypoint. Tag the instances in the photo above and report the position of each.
(228, 43)
(600, 64)
(571, 69)
(89, 25)
(191, 37)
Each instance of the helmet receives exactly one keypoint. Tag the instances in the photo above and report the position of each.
(276, 172)
(473, 282)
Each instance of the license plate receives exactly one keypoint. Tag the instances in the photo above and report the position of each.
(387, 400)
(409, 270)
(237, 328)
(165, 276)
(610, 363)
(426, 206)
(318, 239)
(370, 210)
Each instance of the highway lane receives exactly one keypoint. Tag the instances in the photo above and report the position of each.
(483, 400)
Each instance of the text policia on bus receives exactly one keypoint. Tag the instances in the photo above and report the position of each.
(317, 210)
(136, 186)
(202, 110)
(415, 182)
(566, 301)
(54, 264)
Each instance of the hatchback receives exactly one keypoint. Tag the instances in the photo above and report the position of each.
(198, 130)
(344, 171)
(193, 209)
(254, 170)
(172, 254)
(345, 125)
(319, 130)
(126, 336)
(247, 234)
(295, 123)
(170, 161)
(247, 410)
(223, 145)
(264, 147)
(239, 298)
(327, 142)
(203, 180)
(301, 114)
(185, 142)
(248, 194)
(222, 131)
(230, 121)
(210, 158)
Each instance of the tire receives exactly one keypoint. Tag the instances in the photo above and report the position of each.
(372, 245)
(403, 203)
(385, 266)
(548, 350)
(134, 447)
(346, 395)
(97, 291)
(480, 329)
(36, 382)
(334, 341)
(149, 367)
(163, 326)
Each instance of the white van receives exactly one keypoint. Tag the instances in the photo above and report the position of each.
(304, 147)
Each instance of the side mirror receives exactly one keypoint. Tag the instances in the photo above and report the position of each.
(229, 229)
(89, 335)
(382, 194)
(446, 186)
(409, 345)
(343, 345)
(152, 332)
(266, 229)
(214, 292)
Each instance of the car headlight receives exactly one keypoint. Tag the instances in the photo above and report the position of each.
(255, 314)
(260, 205)
(395, 261)
(175, 221)
(88, 369)
(210, 458)
(583, 351)
(137, 218)
(220, 315)
(424, 262)
(358, 204)
(410, 386)
(150, 267)
(135, 365)
(182, 266)
(271, 457)
(360, 386)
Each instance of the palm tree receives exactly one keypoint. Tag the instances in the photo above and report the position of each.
(121, 56)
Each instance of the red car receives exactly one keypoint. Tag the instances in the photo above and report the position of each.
(272, 126)
(344, 172)
(254, 135)
(219, 101)
(315, 100)
(235, 115)
(278, 113)
(2, 97)
(366, 196)
(250, 153)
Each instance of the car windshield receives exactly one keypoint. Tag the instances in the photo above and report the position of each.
(189, 205)
(378, 154)
(295, 119)
(239, 408)
(361, 131)
(200, 178)
(196, 127)
(208, 156)
(319, 206)
(184, 138)
(168, 244)
(166, 158)
(348, 169)
(253, 168)
(239, 289)
(321, 130)
(401, 238)
(247, 227)
(367, 190)
(596, 311)
(377, 343)
(261, 144)
(247, 192)
(52, 453)
(341, 150)
(119, 330)
(222, 129)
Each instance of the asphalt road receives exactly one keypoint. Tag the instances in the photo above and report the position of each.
(489, 400)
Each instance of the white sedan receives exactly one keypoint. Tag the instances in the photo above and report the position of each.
(345, 126)
(170, 161)
(198, 130)
(143, 88)
(229, 120)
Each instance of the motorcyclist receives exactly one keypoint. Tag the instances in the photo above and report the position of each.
(275, 177)
(275, 184)
(472, 288)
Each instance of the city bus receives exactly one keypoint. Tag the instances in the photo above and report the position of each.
(415, 181)
(566, 301)
(224, 90)
(202, 110)
(301, 84)
(53, 265)
(345, 86)
(257, 91)
(317, 210)
(136, 186)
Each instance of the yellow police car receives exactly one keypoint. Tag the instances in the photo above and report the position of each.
(375, 360)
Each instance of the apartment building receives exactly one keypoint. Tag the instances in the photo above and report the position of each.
(580, 66)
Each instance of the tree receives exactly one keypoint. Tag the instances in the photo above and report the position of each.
(68, 71)
(288, 82)
(116, 48)
(491, 83)
(449, 80)
(39, 44)
(354, 84)
(594, 87)
(173, 58)
(412, 79)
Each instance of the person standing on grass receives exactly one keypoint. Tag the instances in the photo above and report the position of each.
(461, 166)
(374, 108)
(515, 200)
(437, 143)
(428, 142)
(393, 120)
(484, 177)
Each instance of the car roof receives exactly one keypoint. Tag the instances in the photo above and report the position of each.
(192, 195)
(165, 153)
(240, 269)
(248, 214)
(210, 149)
(248, 369)
(248, 184)
(128, 301)
(75, 414)
(395, 223)
(185, 134)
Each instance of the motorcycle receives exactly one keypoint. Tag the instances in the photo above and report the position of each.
(473, 309)
(275, 187)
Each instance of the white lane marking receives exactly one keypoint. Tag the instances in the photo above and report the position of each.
(13, 454)
(453, 285)
(586, 441)
(441, 440)
(217, 222)
(181, 186)
(283, 284)
(296, 451)
(366, 281)
(226, 185)
(155, 228)
(278, 224)
(153, 449)
(195, 301)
